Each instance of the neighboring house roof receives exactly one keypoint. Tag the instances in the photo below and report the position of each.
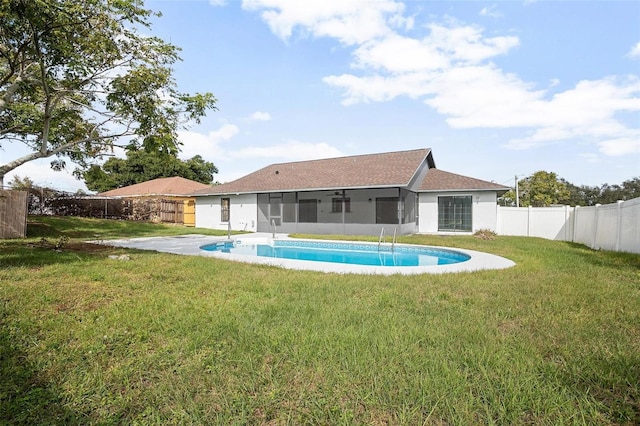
(391, 169)
(440, 181)
(171, 186)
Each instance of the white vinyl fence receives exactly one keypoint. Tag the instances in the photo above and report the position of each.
(609, 227)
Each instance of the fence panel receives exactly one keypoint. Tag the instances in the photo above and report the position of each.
(513, 221)
(584, 221)
(13, 214)
(630, 226)
(544, 222)
(609, 227)
(551, 223)
(606, 227)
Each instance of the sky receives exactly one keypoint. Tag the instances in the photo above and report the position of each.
(496, 89)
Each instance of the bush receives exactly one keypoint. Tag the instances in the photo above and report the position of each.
(485, 234)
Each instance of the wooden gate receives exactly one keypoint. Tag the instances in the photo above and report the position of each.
(189, 213)
(13, 214)
(171, 211)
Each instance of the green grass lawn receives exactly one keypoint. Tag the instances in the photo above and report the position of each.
(167, 339)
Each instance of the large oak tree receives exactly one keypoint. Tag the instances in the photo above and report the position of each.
(78, 78)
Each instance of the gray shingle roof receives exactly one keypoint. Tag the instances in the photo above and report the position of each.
(439, 180)
(391, 169)
(361, 171)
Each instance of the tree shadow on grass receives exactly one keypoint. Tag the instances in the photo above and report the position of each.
(52, 240)
(45, 252)
(605, 258)
(54, 227)
(26, 398)
(96, 229)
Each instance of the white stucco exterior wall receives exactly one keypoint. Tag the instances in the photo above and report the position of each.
(243, 212)
(484, 213)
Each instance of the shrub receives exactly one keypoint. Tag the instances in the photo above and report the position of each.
(485, 234)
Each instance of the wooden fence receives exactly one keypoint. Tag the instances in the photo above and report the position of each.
(146, 209)
(171, 211)
(13, 214)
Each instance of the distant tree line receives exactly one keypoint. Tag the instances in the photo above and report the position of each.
(141, 166)
(543, 189)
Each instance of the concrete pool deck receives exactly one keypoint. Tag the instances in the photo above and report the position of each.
(190, 245)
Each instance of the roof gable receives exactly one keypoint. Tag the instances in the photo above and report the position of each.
(360, 171)
(172, 186)
(439, 180)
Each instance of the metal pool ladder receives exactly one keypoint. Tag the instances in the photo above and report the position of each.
(273, 229)
(383, 238)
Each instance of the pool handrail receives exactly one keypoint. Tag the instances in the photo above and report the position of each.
(381, 237)
(393, 242)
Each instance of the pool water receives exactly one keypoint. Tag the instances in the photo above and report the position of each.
(343, 252)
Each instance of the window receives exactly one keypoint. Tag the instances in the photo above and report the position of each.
(225, 204)
(308, 211)
(387, 210)
(336, 205)
(454, 213)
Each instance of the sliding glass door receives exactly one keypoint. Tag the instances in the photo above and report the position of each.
(455, 213)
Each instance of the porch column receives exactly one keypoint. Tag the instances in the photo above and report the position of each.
(400, 209)
(344, 213)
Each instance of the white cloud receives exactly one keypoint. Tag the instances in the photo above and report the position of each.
(635, 51)
(207, 146)
(450, 70)
(490, 11)
(40, 172)
(399, 54)
(217, 2)
(587, 112)
(449, 66)
(289, 151)
(589, 157)
(621, 146)
(349, 21)
(260, 116)
(214, 147)
(443, 48)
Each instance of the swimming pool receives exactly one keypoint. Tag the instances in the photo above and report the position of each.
(351, 253)
(191, 245)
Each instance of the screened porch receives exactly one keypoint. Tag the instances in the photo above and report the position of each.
(340, 211)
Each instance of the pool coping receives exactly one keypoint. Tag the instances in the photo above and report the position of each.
(190, 245)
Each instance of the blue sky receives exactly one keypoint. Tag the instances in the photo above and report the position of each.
(496, 89)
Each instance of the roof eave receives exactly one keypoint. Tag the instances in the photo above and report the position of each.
(466, 189)
(144, 195)
(336, 188)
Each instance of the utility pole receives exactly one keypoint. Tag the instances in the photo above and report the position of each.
(517, 193)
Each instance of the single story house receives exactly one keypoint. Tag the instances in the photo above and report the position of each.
(400, 191)
(168, 199)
